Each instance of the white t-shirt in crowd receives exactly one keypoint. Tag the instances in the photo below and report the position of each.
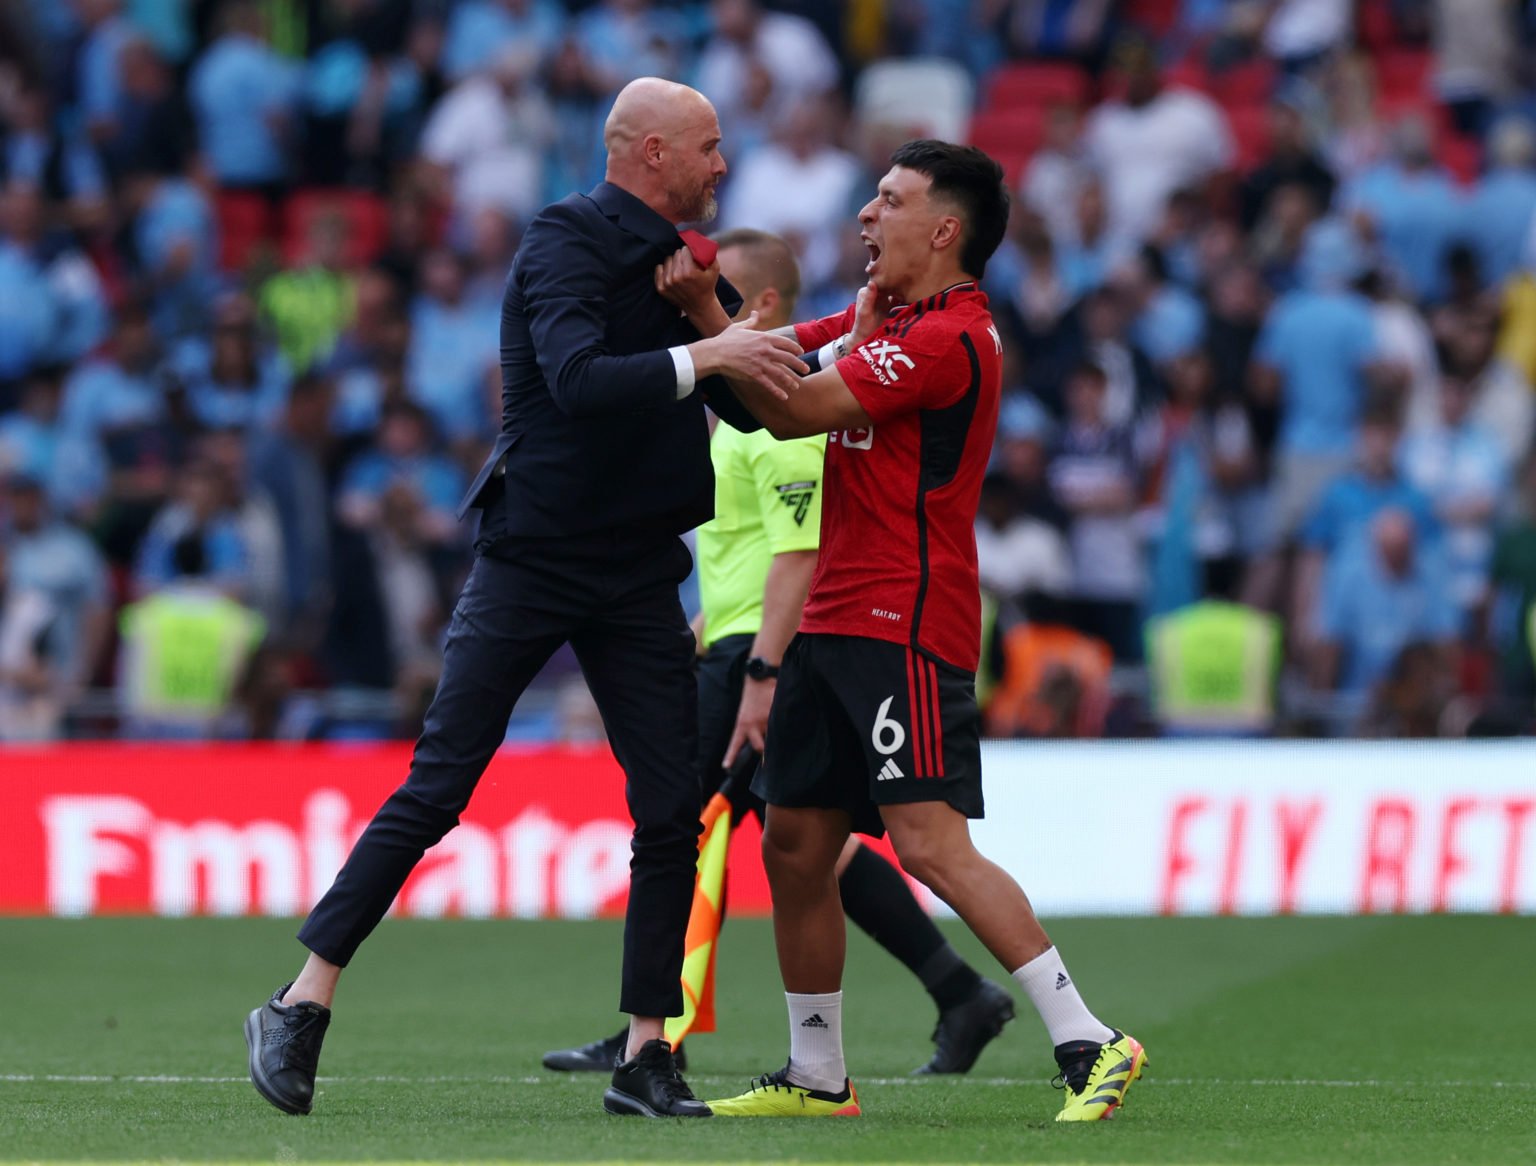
(1177, 139)
(809, 198)
(494, 146)
(790, 48)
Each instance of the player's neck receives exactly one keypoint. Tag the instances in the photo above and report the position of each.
(935, 282)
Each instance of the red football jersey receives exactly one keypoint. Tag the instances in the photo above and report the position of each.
(898, 535)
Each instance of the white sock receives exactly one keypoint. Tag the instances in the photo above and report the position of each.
(816, 1040)
(1054, 995)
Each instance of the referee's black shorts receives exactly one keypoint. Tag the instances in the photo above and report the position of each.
(722, 674)
(860, 723)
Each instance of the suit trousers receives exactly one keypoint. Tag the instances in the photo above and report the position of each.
(613, 597)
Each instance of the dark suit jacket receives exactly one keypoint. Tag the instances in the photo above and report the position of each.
(591, 428)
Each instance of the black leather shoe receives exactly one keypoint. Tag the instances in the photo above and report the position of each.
(650, 1086)
(601, 1056)
(967, 1028)
(284, 1041)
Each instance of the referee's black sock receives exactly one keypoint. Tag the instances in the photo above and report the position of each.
(877, 898)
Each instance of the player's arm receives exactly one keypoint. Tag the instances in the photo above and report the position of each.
(821, 403)
(787, 482)
(784, 592)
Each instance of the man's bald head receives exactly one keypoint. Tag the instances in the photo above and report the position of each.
(663, 144)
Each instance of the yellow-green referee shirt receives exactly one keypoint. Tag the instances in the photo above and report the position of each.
(767, 502)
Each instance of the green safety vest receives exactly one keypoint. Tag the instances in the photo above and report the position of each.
(185, 652)
(1213, 667)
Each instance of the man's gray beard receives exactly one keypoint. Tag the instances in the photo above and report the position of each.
(707, 210)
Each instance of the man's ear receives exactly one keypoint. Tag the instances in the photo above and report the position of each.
(767, 303)
(653, 149)
(947, 233)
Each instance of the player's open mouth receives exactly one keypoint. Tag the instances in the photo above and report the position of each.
(874, 254)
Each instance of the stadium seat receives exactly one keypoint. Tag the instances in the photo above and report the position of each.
(1376, 26)
(1403, 74)
(924, 95)
(1152, 16)
(1250, 135)
(1460, 155)
(1037, 83)
(1251, 83)
(1009, 135)
(1190, 73)
(366, 214)
(245, 223)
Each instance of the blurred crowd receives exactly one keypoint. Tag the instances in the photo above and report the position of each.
(1268, 303)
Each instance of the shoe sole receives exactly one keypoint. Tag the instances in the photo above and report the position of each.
(995, 1030)
(259, 1076)
(850, 1110)
(627, 1105)
(553, 1063)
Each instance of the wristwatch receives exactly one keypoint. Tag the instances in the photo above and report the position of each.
(760, 669)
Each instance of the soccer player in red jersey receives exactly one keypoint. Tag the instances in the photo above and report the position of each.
(875, 725)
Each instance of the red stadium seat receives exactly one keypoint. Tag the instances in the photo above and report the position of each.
(1190, 73)
(1153, 16)
(1251, 83)
(1403, 74)
(1037, 83)
(1009, 135)
(1462, 156)
(1250, 135)
(1377, 29)
(245, 223)
(366, 215)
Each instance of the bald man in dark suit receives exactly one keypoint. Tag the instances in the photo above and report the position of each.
(602, 462)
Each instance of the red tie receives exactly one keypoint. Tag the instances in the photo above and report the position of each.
(703, 248)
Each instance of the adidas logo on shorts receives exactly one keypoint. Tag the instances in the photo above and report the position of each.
(890, 771)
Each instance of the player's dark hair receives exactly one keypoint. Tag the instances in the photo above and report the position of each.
(974, 182)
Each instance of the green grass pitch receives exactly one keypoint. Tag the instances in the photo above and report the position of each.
(1356, 1041)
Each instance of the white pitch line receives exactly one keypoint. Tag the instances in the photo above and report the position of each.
(987, 1082)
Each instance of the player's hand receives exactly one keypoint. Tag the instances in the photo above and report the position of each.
(869, 311)
(744, 352)
(751, 718)
(681, 281)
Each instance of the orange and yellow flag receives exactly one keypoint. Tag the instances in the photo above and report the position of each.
(704, 926)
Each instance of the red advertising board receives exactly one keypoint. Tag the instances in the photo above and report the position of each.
(236, 830)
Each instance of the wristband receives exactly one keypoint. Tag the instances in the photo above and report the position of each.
(833, 351)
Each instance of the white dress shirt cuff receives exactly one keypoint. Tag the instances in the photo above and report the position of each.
(686, 377)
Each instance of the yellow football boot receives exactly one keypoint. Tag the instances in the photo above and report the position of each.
(1111, 1067)
(774, 1095)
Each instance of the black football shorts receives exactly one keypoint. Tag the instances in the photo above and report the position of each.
(860, 723)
